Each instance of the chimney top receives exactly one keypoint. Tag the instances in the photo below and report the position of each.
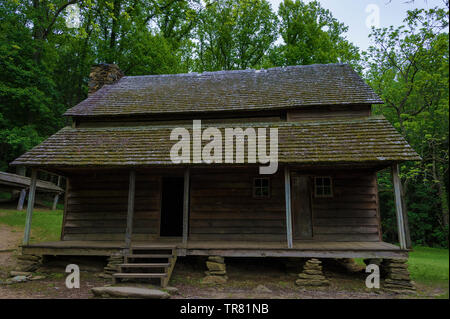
(102, 74)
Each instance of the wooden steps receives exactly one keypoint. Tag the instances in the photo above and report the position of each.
(148, 263)
(140, 275)
(147, 256)
(145, 265)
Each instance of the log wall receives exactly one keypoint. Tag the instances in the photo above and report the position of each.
(314, 113)
(96, 207)
(222, 206)
(352, 213)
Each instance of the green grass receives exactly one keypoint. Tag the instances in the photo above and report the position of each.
(45, 225)
(429, 265)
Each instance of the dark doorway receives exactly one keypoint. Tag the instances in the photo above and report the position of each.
(172, 206)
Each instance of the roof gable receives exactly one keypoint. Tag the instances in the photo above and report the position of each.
(246, 90)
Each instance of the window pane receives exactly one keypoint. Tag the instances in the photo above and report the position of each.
(261, 187)
(319, 191)
(264, 182)
(319, 181)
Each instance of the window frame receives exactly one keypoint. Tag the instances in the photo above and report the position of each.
(254, 188)
(316, 195)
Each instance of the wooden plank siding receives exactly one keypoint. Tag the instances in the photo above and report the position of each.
(352, 213)
(313, 113)
(223, 207)
(96, 207)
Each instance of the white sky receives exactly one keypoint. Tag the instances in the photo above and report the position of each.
(353, 14)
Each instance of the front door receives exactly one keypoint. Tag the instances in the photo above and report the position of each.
(172, 206)
(301, 207)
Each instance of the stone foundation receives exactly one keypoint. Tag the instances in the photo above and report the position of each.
(217, 272)
(113, 265)
(28, 263)
(312, 275)
(397, 279)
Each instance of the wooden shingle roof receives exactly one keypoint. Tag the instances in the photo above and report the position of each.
(249, 90)
(361, 140)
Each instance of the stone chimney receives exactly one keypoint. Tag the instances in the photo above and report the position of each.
(102, 74)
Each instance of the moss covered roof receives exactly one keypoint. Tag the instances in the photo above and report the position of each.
(249, 90)
(370, 139)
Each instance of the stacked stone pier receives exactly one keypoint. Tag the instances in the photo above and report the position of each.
(217, 272)
(397, 276)
(312, 275)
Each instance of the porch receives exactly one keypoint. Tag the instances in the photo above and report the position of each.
(300, 249)
(218, 214)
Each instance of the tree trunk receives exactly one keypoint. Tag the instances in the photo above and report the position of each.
(442, 191)
(114, 30)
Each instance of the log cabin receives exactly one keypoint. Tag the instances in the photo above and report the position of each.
(124, 192)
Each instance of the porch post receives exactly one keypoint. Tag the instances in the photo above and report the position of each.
(399, 209)
(23, 193)
(30, 206)
(287, 190)
(130, 212)
(186, 205)
(56, 198)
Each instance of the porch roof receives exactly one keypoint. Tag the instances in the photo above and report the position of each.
(364, 140)
(14, 181)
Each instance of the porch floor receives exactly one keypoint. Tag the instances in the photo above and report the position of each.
(227, 248)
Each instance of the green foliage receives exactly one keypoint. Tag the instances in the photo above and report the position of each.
(30, 108)
(312, 35)
(234, 34)
(408, 67)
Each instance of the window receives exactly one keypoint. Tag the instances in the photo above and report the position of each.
(261, 187)
(323, 187)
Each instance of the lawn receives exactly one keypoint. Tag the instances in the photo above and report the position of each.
(45, 225)
(429, 265)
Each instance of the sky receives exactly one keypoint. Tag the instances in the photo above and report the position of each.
(359, 15)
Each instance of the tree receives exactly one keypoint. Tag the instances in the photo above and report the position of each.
(233, 34)
(408, 67)
(310, 35)
(28, 111)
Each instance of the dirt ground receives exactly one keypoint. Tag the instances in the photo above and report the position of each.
(248, 278)
(9, 241)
